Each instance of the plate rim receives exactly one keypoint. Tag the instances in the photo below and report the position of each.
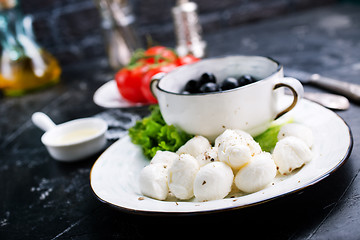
(130, 104)
(225, 209)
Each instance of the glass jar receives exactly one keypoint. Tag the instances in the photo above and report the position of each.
(24, 65)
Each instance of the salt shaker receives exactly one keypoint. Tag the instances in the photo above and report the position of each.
(187, 29)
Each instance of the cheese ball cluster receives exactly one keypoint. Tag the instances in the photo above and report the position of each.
(208, 172)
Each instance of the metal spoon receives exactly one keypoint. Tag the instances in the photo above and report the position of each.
(349, 90)
(328, 100)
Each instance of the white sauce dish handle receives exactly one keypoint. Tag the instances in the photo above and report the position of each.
(42, 121)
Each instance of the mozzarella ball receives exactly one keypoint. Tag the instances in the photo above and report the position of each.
(257, 174)
(297, 130)
(230, 134)
(236, 148)
(250, 142)
(166, 158)
(181, 176)
(153, 181)
(242, 134)
(195, 146)
(213, 181)
(291, 153)
(234, 155)
(226, 136)
(254, 147)
(210, 155)
(233, 137)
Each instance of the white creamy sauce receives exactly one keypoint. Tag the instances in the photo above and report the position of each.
(77, 135)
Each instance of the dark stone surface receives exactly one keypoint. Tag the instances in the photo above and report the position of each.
(71, 29)
(44, 199)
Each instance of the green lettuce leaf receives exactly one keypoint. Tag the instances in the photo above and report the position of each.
(153, 134)
(268, 139)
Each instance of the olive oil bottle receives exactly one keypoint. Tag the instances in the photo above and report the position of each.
(24, 65)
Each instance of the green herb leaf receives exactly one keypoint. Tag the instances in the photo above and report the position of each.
(136, 56)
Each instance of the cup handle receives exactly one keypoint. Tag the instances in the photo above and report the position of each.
(154, 81)
(297, 90)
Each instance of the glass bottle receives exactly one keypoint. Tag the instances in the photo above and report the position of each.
(24, 65)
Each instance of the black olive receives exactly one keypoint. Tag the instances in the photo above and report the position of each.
(207, 77)
(209, 87)
(191, 86)
(207, 83)
(245, 80)
(229, 83)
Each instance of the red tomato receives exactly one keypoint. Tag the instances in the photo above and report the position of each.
(134, 80)
(159, 54)
(145, 86)
(187, 59)
(129, 82)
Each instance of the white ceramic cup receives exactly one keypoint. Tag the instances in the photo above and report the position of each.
(250, 108)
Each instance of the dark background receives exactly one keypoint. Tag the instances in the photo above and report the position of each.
(71, 29)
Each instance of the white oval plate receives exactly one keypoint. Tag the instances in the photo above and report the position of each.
(108, 96)
(114, 176)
